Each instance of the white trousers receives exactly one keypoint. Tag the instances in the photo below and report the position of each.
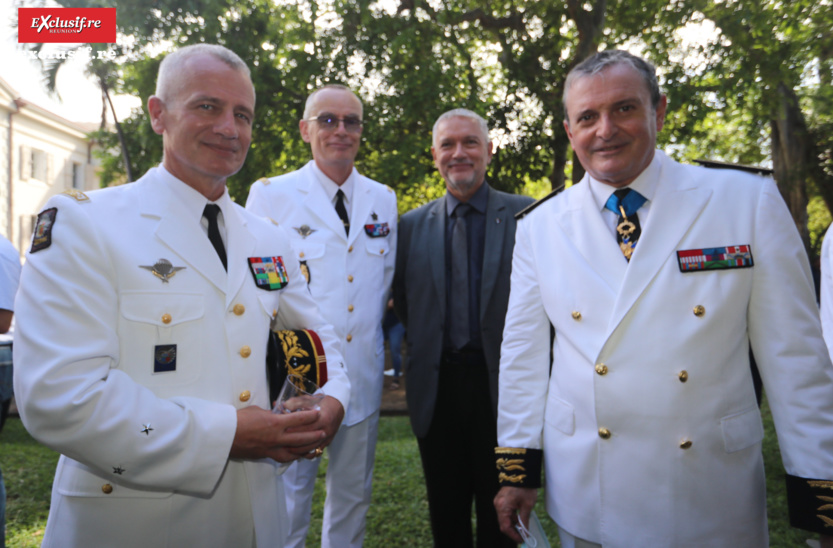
(350, 460)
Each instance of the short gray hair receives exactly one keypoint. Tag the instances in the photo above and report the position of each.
(609, 58)
(310, 99)
(172, 64)
(462, 113)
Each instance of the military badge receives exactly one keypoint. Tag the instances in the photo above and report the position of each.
(374, 216)
(378, 230)
(163, 269)
(77, 194)
(164, 358)
(269, 272)
(42, 238)
(304, 230)
(715, 258)
(305, 271)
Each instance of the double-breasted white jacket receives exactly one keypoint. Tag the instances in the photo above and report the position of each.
(134, 371)
(350, 275)
(649, 426)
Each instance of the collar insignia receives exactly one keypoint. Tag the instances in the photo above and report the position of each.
(163, 269)
(304, 230)
(374, 216)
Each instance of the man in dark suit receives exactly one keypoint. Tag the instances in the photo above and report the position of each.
(451, 289)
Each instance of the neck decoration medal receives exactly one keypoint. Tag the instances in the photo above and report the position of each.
(625, 229)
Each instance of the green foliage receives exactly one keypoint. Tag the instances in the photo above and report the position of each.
(412, 60)
(820, 220)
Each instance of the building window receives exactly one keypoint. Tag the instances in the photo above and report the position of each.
(34, 164)
(77, 176)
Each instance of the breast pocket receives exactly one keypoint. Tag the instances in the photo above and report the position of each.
(161, 337)
(378, 247)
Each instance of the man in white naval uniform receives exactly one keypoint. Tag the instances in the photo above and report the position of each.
(343, 229)
(648, 421)
(143, 319)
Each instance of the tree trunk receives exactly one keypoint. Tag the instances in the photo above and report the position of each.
(124, 153)
(790, 157)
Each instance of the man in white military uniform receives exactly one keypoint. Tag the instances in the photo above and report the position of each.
(343, 229)
(648, 422)
(142, 335)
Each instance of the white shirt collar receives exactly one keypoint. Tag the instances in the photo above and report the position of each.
(645, 183)
(191, 200)
(331, 188)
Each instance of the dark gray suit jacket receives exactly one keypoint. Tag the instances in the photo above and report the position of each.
(419, 294)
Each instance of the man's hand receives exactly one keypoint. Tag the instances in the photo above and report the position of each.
(331, 415)
(263, 434)
(509, 502)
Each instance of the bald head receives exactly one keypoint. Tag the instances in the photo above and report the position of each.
(168, 82)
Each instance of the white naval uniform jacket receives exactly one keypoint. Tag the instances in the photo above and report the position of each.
(145, 452)
(350, 275)
(682, 465)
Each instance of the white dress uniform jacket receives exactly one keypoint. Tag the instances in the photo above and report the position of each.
(826, 297)
(145, 442)
(350, 275)
(649, 424)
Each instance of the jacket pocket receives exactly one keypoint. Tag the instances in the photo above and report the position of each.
(561, 416)
(742, 430)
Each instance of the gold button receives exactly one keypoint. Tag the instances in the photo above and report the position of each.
(699, 310)
(349, 338)
(381, 252)
(106, 488)
(576, 315)
(350, 308)
(604, 433)
(275, 313)
(166, 318)
(601, 369)
(301, 255)
(350, 279)
(350, 249)
(683, 376)
(685, 445)
(245, 351)
(239, 309)
(245, 395)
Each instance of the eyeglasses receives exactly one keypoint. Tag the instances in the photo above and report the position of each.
(330, 122)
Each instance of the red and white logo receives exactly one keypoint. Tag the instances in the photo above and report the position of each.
(67, 25)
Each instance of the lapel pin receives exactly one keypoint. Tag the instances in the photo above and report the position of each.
(163, 269)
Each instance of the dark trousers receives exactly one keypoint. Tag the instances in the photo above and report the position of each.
(458, 457)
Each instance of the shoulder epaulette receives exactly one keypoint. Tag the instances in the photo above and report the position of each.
(264, 180)
(519, 215)
(77, 194)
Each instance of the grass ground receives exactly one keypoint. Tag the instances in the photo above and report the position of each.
(397, 517)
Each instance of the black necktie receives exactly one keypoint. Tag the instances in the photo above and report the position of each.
(460, 278)
(342, 211)
(210, 212)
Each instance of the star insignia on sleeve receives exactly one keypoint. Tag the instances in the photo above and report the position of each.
(118, 470)
(147, 429)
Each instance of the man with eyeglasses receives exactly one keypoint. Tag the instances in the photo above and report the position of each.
(343, 229)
